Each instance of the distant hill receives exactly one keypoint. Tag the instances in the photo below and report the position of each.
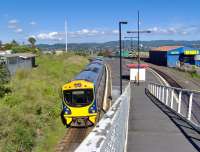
(113, 45)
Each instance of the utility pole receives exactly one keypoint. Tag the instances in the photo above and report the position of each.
(66, 35)
(120, 51)
(138, 48)
(138, 31)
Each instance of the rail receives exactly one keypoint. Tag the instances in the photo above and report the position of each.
(185, 102)
(110, 134)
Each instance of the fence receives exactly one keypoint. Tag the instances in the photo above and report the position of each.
(183, 101)
(110, 134)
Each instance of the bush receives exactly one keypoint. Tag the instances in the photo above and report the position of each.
(4, 79)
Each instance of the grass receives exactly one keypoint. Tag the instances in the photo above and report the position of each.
(30, 114)
(195, 75)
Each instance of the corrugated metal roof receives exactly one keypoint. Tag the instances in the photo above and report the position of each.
(22, 55)
(25, 55)
(165, 48)
(8, 55)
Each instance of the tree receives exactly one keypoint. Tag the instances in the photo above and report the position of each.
(8, 46)
(0, 44)
(32, 41)
(14, 43)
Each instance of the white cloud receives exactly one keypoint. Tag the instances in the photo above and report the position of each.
(33, 23)
(31, 36)
(13, 21)
(181, 30)
(115, 32)
(19, 30)
(56, 36)
(59, 36)
(12, 24)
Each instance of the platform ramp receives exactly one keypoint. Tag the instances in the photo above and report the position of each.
(150, 129)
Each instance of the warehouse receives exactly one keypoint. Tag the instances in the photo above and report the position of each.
(173, 56)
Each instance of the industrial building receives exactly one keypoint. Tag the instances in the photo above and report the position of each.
(17, 61)
(173, 56)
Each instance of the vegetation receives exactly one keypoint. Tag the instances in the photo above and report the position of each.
(32, 41)
(17, 48)
(4, 79)
(30, 114)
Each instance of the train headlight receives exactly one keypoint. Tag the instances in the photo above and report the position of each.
(67, 110)
(92, 109)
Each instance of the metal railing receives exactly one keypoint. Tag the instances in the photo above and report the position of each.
(110, 134)
(185, 102)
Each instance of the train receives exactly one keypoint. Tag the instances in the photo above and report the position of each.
(82, 97)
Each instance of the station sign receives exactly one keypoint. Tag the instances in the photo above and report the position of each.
(191, 52)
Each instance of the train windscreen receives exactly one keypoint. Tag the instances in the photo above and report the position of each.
(78, 98)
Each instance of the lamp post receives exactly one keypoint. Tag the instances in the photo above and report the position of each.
(138, 45)
(120, 51)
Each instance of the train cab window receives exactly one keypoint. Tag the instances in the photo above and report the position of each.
(78, 98)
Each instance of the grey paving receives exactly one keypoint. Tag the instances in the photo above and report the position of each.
(150, 130)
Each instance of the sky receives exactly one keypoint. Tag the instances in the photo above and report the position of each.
(97, 20)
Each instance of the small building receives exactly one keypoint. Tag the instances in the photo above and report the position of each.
(5, 52)
(173, 56)
(18, 61)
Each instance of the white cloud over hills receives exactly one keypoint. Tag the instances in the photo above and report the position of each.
(59, 36)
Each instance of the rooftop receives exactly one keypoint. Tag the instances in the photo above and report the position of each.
(165, 48)
(22, 55)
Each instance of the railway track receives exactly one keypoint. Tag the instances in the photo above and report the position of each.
(174, 83)
(170, 80)
(74, 136)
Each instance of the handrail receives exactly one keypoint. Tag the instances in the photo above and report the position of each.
(184, 101)
(182, 89)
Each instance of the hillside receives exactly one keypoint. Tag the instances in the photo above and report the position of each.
(113, 45)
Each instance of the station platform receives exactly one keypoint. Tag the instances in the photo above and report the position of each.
(150, 129)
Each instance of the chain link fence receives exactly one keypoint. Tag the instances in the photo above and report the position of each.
(110, 134)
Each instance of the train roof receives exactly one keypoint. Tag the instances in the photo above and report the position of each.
(92, 71)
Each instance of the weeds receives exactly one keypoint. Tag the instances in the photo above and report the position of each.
(30, 113)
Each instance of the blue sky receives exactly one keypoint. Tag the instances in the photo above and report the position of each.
(97, 20)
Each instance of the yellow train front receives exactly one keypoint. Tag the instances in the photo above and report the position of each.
(82, 97)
